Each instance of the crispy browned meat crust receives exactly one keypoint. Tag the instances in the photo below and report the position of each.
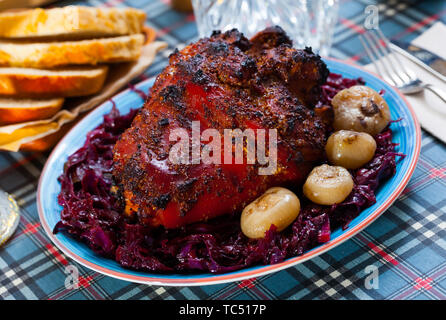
(225, 81)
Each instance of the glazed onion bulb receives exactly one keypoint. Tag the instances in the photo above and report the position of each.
(278, 206)
(327, 185)
(350, 149)
(361, 109)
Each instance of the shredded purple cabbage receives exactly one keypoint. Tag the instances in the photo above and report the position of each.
(92, 214)
(335, 83)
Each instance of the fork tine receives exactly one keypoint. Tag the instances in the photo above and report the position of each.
(387, 54)
(409, 75)
(370, 55)
(393, 73)
(385, 74)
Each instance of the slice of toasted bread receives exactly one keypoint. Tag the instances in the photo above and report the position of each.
(41, 83)
(21, 110)
(71, 22)
(53, 54)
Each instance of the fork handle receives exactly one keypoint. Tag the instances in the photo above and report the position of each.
(438, 92)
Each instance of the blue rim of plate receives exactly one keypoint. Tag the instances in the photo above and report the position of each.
(407, 134)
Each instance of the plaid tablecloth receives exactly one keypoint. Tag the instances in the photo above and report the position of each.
(406, 246)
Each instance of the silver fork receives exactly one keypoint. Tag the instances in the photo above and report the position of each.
(390, 68)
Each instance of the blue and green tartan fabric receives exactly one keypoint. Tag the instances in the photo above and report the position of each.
(407, 244)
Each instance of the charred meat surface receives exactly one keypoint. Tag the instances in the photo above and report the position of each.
(224, 82)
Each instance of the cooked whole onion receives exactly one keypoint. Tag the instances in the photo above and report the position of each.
(361, 109)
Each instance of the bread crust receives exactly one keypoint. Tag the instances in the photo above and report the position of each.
(22, 113)
(49, 141)
(71, 22)
(23, 83)
(53, 54)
